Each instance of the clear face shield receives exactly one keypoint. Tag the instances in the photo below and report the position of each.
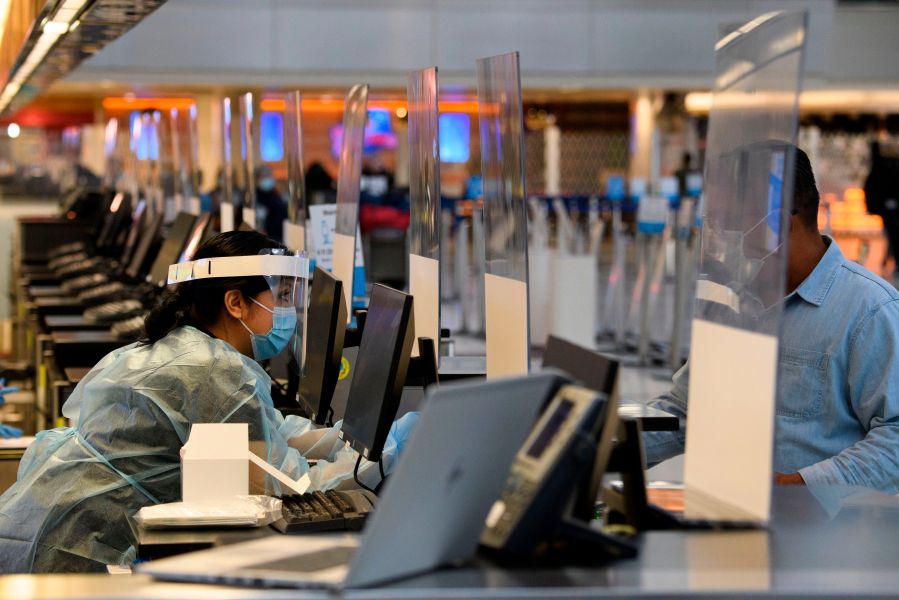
(286, 274)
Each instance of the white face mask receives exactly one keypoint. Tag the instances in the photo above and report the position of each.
(744, 269)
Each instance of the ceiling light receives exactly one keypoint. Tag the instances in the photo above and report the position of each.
(13, 130)
(74, 26)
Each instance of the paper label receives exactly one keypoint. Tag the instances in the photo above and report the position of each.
(506, 306)
(322, 220)
(294, 236)
(424, 285)
(342, 267)
(227, 217)
(730, 424)
(249, 217)
(300, 486)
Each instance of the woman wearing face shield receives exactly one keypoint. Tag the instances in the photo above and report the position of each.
(130, 416)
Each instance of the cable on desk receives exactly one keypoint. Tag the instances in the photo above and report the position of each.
(356, 476)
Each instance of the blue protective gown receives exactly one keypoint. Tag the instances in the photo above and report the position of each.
(77, 486)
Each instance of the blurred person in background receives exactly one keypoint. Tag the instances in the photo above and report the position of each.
(882, 196)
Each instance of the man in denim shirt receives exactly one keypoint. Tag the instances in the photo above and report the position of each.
(838, 369)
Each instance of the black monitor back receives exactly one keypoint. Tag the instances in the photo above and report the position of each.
(134, 231)
(592, 369)
(197, 236)
(171, 248)
(380, 371)
(117, 219)
(147, 245)
(325, 329)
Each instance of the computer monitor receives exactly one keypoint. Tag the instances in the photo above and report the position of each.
(137, 223)
(381, 366)
(197, 236)
(592, 369)
(118, 218)
(171, 248)
(325, 328)
(148, 241)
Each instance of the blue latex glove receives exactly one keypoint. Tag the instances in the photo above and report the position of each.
(402, 429)
(6, 390)
(8, 431)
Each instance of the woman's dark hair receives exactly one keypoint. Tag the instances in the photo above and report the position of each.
(200, 302)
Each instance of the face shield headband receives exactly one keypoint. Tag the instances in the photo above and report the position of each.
(286, 275)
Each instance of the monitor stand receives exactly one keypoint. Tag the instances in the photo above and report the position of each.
(353, 335)
(628, 505)
(422, 371)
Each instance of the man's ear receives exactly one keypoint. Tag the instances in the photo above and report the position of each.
(235, 304)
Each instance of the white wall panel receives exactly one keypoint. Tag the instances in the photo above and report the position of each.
(601, 43)
(225, 34)
(368, 36)
(862, 35)
(551, 36)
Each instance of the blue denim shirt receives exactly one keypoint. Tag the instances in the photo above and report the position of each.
(838, 381)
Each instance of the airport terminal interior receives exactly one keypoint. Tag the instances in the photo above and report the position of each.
(449, 298)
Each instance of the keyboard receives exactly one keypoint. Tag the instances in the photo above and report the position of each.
(84, 282)
(114, 311)
(129, 329)
(324, 511)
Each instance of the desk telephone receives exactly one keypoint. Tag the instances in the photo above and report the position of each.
(552, 470)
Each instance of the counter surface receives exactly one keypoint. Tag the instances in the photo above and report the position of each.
(818, 544)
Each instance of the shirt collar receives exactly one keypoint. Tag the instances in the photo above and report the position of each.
(815, 287)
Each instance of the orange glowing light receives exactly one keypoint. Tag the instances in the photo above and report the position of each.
(119, 103)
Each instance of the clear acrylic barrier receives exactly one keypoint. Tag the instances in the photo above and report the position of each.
(186, 158)
(505, 215)
(227, 202)
(248, 159)
(192, 154)
(178, 174)
(113, 165)
(733, 360)
(295, 226)
(168, 186)
(355, 114)
(424, 191)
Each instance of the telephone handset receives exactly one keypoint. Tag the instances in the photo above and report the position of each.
(555, 458)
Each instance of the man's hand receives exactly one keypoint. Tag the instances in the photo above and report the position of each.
(788, 479)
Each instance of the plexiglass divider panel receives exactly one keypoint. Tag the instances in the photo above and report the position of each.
(355, 114)
(193, 181)
(424, 192)
(505, 215)
(248, 158)
(736, 324)
(113, 166)
(178, 166)
(227, 201)
(295, 225)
